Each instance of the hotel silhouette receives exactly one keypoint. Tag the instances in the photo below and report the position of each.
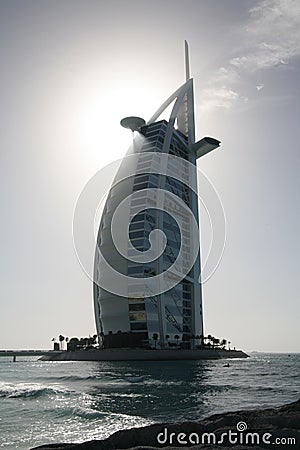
(156, 185)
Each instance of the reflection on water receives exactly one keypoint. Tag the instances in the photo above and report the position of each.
(160, 391)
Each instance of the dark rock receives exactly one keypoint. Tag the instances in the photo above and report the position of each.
(274, 423)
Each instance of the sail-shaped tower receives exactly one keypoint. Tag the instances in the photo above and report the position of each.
(147, 277)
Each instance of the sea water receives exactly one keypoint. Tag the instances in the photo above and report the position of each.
(46, 402)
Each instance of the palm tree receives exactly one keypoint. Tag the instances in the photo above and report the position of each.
(155, 337)
(73, 343)
(176, 337)
(216, 341)
(229, 345)
(61, 338)
(95, 336)
(223, 343)
(209, 339)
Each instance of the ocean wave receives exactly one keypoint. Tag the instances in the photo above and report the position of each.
(134, 379)
(29, 390)
(86, 412)
(104, 378)
(70, 378)
(129, 395)
(163, 383)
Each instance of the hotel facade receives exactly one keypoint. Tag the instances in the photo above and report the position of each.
(149, 235)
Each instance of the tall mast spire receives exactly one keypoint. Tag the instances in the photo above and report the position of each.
(188, 105)
(187, 61)
(183, 109)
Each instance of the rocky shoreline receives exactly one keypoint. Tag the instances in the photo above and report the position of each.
(250, 429)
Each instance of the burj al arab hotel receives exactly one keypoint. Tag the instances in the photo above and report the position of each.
(147, 266)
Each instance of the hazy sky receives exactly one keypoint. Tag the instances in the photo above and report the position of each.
(70, 70)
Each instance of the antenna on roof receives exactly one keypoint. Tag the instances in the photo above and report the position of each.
(187, 61)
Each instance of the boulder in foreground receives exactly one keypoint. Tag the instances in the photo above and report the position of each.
(253, 429)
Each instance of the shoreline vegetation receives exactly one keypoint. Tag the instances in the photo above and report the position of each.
(131, 340)
(259, 427)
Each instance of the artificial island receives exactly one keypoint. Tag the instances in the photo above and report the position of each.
(147, 268)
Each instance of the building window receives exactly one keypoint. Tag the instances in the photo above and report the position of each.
(138, 326)
(137, 307)
(137, 316)
(134, 300)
